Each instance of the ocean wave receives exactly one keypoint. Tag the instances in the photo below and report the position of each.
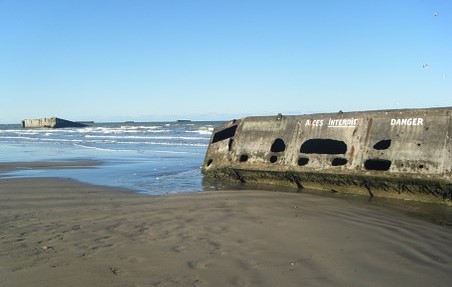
(20, 137)
(9, 132)
(146, 137)
(139, 127)
(203, 132)
(174, 152)
(114, 137)
(164, 143)
(99, 148)
(123, 129)
(60, 140)
(78, 141)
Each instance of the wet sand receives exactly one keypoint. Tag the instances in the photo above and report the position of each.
(57, 232)
(13, 166)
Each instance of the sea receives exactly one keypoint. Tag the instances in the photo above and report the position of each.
(155, 158)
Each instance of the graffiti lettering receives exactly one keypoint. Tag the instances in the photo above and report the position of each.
(342, 123)
(407, 122)
(314, 123)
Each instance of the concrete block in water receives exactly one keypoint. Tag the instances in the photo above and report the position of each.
(51, 123)
(390, 153)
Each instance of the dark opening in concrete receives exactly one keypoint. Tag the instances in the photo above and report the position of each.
(383, 144)
(303, 161)
(273, 158)
(377, 164)
(278, 145)
(224, 134)
(324, 146)
(230, 144)
(337, 161)
(209, 162)
(243, 158)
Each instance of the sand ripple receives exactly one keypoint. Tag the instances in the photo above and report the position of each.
(62, 233)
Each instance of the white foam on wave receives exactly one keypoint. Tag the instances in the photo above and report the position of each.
(164, 143)
(140, 127)
(18, 132)
(122, 129)
(98, 148)
(60, 140)
(20, 137)
(203, 130)
(145, 137)
(174, 152)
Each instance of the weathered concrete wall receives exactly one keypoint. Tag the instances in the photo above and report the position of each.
(391, 153)
(51, 123)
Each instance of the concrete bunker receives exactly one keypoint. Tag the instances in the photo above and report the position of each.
(371, 152)
(52, 123)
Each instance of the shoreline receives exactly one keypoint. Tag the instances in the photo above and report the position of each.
(60, 232)
(14, 166)
(433, 212)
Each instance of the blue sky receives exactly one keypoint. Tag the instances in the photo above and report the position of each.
(164, 60)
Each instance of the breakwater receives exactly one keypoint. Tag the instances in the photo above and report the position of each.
(390, 153)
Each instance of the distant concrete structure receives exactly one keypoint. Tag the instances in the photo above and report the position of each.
(403, 154)
(51, 123)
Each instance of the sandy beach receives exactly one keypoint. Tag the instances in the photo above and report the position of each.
(58, 232)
